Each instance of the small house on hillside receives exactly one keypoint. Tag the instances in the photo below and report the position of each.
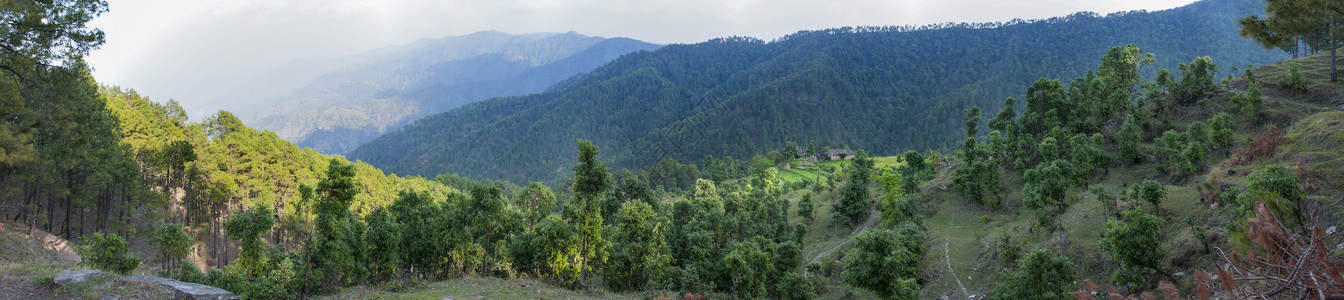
(836, 154)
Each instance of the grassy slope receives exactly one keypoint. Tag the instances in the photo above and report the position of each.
(973, 241)
(472, 287)
(27, 264)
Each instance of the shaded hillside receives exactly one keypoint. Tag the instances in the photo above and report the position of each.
(870, 88)
(341, 109)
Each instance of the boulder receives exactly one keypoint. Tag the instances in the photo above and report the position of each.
(184, 290)
(76, 277)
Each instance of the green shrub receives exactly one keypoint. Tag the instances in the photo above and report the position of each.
(795, 286)
(1294, 79)
(186, 271)
(108, 252)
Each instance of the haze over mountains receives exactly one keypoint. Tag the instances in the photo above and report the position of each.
(867, 88)
(378, 91)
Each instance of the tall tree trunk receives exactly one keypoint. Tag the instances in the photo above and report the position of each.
(121, 218)
(69, 201)
(23, 208)
(1334, 77)
(51, 203)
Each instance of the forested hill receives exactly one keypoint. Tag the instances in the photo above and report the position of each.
(883, 89)
(341, 109)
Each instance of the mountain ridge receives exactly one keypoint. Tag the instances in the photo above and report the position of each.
(340, 109)
(732, 96)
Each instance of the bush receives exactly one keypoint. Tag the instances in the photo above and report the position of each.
(887, 261)
(1294, 79)
(1041, 275)
(795, 286)
(186, 271)
(108, 252)
(174, 243)
(1196, 78)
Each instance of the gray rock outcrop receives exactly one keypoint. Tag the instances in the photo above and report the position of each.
(75, 277)
(179, 289)
(184, 290)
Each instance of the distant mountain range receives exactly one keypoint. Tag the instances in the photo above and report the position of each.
(377, 92)
(881, 89)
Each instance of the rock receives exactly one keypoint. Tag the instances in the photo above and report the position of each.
(184, 290)
(76, 277)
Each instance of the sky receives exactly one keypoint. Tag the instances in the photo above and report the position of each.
(206, 54)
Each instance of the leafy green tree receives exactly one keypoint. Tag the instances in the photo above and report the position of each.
(805, 207)
(1128, 138)
(1277, 186)
(1046, 106)
(633, 187)
(1119, 72)
(246, 227)
(1150, 191)
(1197, 79)
(637, 256)
(537, 202)
(337, 246)
(1220, 130)
(174, 243)
(1005, 118)
(750, 268)
(915, 160)
(1040, 275)
(385, 239)
(1049, 149)
(491, 218)
(1287, 21)
(1179, 153)
(794, 286)
(1088, 153)
(1250, 102)
(558, 245)
(886, 261)
(1131, 242)
(1048, 184)
(107, 252)
(853, 200)
(421, 241)
(972, 121)
(591, 182)
(896, 205)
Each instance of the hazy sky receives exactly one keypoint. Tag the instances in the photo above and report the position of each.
(191, 50)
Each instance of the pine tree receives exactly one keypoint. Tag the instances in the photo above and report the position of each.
(1287, 21)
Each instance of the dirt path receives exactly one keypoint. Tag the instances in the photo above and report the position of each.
(947, 245)
(872, 219)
